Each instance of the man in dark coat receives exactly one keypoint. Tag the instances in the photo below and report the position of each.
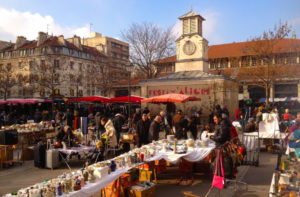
(118, 122)
(154, 129)
(222, 130)
(142, 129)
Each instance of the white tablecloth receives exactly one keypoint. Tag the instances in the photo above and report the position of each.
(75, 150)
(268, 135)
(192, 155)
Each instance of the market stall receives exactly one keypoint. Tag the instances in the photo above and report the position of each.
(89, 99)
(126, 99)
(93, 178)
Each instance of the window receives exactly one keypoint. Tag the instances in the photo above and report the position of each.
(56, 78)
(42, 93)
(193, 25)
(1, 66)
(80, 66)
(279, 59)
(213, 64)
(234, 63)
(185, 26)
(245, 61)
(286, 90)
(291, 59)
(241, 89)
(254, 61)
(72, 65)
(56, 92)
(223, 63)
(80, 92)
(31, 64)
(21, 66)
(43, 50)
(56, 63)
(9, 66)
(43, 63)
(72, 92)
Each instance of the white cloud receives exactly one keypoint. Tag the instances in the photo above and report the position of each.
(14, 23)
(209, 27)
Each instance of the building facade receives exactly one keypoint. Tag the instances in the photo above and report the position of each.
(234, 59)
(116, 51)
(191, 74)
(50, 66)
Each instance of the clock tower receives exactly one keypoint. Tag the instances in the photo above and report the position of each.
(191, 47)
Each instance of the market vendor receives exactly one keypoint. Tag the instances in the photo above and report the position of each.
(66, 135)
(221, 131)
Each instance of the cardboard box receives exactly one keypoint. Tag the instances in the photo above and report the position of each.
(145, 175)
(149, 192)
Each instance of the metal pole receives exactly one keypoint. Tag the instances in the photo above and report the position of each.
(129, 94)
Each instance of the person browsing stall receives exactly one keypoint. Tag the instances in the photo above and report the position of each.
(110, 131)
(221, 131)
(154, 129)
(142, 129)
(66, 135)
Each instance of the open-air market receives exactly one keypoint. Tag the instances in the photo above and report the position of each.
(198, 108)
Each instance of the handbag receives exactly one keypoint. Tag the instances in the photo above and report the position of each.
(219, 181)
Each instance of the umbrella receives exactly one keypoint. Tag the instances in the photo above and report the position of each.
(126, 99)
(172, 98)
(89, 99)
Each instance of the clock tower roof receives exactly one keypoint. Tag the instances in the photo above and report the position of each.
(191, 14)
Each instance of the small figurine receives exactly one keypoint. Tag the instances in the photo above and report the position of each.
(59, 189)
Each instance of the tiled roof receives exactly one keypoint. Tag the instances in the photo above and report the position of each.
(191, 14)
(244, 48)
(239, 49)
(53, 41)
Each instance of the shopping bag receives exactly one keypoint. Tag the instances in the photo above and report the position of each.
(219, 180)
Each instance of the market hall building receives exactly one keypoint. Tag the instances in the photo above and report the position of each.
(192, 75)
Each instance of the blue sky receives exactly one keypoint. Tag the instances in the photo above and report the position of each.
(226, 20)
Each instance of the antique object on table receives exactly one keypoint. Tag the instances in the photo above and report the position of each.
(190, 143)
(170, 138)
(113, 166)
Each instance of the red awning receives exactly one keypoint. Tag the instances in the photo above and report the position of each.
(171, 98)
(89, 99)
(126, 99)
(24, 101)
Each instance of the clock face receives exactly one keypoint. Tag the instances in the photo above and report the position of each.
(189, 48)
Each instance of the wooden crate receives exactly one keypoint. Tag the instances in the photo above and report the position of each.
(149, 192)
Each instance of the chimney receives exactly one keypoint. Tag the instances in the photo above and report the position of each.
(41, 38)
(61, 39)
(77, 41)
(21, 40)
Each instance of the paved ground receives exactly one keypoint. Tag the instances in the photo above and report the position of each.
(258, 179)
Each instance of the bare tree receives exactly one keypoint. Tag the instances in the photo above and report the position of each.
(46, 75)
(148, 43)
(9, 78)
(264, 49)
(100, 76)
